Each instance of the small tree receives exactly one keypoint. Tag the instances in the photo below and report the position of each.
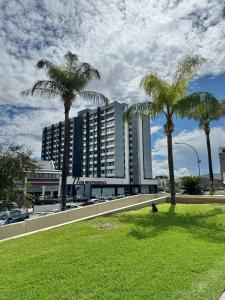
(190, 184)
(15, 161)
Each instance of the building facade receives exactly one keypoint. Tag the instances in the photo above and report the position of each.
(106, 154)
(45, 181)
(222, 162)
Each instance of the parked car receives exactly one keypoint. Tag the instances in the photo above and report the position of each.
(80, 198)
(88, 202)
(100, 200)
(69, 199)
(104, 197)
(117, 197)
(13, 216)
(47, 200)
(72, 205)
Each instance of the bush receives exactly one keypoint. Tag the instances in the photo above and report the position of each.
(190, 184)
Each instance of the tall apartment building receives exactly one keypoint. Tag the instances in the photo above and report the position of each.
(106, 154)
(222, 162)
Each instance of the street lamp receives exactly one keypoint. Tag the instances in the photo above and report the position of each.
(198, 160)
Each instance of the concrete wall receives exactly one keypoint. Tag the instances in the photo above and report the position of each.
(147, 153)
(74, 215)
(199, 199)
(119, 125)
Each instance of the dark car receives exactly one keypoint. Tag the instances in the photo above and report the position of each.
(80, 198)
(46, 200)
(88, 202)
(13, 216)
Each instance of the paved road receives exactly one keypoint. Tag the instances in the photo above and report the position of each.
(46, 208)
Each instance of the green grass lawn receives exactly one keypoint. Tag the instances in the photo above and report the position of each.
(176, 254)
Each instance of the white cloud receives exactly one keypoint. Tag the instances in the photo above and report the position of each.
(155, 129)
(123, 39)
(185, 159)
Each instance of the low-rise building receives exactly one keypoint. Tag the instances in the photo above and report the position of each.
(45, 181)
(222, 162)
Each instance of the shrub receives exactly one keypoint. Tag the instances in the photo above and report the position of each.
(190, 184)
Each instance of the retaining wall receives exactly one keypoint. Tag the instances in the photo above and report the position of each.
(197, 199)
(78, 214)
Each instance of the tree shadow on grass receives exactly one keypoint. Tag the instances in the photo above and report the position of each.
(201, 225)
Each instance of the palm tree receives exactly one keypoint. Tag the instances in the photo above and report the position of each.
(167, 99)
(67, 81)
(207, 109)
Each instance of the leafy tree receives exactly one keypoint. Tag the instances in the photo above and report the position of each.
(207, 109)
(67, 81)
(14, 162)
(167, 99)
(190, 184)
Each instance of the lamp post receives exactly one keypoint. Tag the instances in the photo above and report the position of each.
(198, 160)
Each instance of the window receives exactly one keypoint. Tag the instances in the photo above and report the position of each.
(110, 136)
(109, 123)
(110, 171)
(108, 191)
(95, 192)
(110, 115)
(120, 190)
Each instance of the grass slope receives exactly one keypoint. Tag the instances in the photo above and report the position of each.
(176, 254)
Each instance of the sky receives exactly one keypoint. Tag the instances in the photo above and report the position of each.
(124, 40)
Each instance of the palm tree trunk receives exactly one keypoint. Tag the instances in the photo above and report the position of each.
(171, 167)
(209, 158)
(65, 161)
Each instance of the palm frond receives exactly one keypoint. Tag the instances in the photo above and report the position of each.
(94, 97)
(44, 64)
(85, 70)
(58, 74)
(222, 103)
(146, 108)
(154, 85)
(186, 104)
(68, 78)
(201, 106)
(48, 84)
(185, 73)
(188, 67)
(41, 92)
(71, 59)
